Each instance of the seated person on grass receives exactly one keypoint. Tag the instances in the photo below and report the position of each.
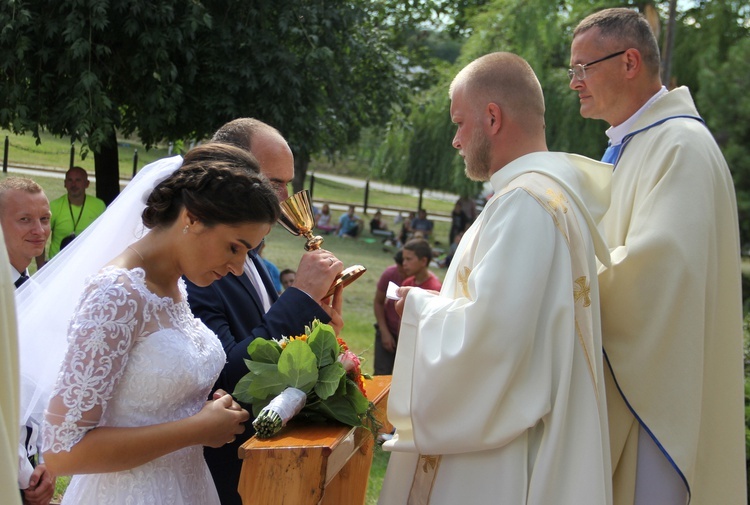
(323, 220)
(380, 228)
(421, 223)
(350, 225)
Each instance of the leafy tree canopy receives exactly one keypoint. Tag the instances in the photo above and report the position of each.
(318, 71)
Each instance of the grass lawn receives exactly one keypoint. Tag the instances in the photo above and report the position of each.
(333, 191)
(55, 152)
(285, 250)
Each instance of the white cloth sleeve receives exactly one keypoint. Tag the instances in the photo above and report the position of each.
(103, 330)
(24, 465)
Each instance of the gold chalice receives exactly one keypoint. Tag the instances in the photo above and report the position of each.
(297, 218)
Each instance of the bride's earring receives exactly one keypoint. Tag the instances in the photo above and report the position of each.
(185, 229)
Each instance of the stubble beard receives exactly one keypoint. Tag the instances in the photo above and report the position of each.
(478, 158)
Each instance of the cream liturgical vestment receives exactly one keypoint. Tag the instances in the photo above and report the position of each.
(9, 394)
(497, 394)
(671, 306)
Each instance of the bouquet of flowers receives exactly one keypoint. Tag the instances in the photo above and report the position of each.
(314, 375)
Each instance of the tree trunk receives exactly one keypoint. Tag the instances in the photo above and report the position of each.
(107, 169)
(666, 63)
(301, 162)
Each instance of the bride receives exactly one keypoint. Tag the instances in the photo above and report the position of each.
(128, 414)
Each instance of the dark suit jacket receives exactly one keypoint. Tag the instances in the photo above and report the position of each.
(232, 308)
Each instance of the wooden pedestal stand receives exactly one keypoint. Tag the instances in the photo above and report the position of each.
(312, 464)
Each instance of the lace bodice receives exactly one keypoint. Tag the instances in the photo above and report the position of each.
(133, 359)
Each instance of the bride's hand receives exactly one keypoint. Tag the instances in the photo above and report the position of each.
(220, 392)
(221, 420)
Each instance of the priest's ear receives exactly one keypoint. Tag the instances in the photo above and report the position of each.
(493, 116)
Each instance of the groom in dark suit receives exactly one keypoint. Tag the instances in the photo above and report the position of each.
(242, 308)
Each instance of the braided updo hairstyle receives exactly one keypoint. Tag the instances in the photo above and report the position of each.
(218, 184)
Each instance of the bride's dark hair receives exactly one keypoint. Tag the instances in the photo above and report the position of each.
(218, 184)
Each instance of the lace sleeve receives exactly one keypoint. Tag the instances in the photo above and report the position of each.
(107, 322)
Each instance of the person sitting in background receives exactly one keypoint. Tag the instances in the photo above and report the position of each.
(25, 218)
(445, 263)
(315, 212)
(380, 228)
(406, 231)
(469, 208)
(71, 213)
(287, 277)
(350, 225)
(323, 220)
(421, 223)
(459, 221)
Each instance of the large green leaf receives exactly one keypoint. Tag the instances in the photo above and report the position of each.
(323, 344)
(264, 351)
(298, 366)
(329, 379)
(270, 383)
(356, 398)
(339, 408)
(242, 389)
(260, 368)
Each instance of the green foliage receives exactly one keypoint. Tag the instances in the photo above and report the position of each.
(319, 71)
(298, 366)
(420, 152)
(724, 103)
(338, 408)
(264, 351)
(82, 68)
(310, 364)
(417, 149)
(324, 346)
(329, 380)
(267, 384)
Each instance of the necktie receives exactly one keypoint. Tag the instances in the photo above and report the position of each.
(611, 154)
(23, 278)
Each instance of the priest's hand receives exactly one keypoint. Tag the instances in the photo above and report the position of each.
(403, 291)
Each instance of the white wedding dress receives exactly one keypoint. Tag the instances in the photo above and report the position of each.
(134, 359)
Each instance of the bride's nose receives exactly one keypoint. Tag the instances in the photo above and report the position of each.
(235, 267)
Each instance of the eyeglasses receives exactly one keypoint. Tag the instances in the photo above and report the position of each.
(579, 71)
